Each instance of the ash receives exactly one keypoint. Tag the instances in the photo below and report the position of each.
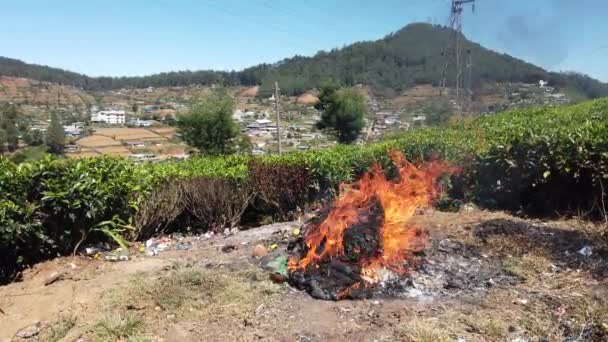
(449, 269)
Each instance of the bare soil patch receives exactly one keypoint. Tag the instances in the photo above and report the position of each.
(127, 133)
(97, 141)
(489, 277)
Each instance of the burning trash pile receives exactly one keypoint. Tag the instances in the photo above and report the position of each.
(364, 240)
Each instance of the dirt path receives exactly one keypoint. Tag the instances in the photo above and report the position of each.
(216, 291)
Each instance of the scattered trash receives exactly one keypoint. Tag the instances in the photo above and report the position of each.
(520, 339)
(116, 255)
(183, 246)
(53, 278)
(468, 207)
(228, 248)
(278, 265)
(259, 251)
(208, 235)
(90, 251)
(151, 251)
(259, 309)
(273, 246)
(160, 244)
(461, 339)
(278, 278)
(32, 330)
(296, 232)
(522, 301)
(586, 251)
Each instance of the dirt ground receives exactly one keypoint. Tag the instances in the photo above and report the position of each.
(214, 290)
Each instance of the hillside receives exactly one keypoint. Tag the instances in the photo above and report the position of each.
(27, 91)
(410, 56)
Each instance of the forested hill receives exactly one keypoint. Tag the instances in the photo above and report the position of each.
(413, 55)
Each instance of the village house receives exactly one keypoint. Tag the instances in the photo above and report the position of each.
(111, 117)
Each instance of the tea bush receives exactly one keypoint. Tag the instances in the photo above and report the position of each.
(542, 160)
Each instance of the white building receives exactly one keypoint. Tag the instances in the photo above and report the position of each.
(112, 117)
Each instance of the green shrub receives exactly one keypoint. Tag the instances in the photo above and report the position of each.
(542, 160)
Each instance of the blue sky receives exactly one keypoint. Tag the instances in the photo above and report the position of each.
(136, 37)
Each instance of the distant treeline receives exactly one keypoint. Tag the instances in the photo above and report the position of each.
(413, 55)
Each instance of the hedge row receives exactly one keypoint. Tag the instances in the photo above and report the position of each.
(544, 160)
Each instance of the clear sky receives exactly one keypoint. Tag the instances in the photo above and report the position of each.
(136, 37)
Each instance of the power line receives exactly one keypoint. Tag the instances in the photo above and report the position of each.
(453, 50)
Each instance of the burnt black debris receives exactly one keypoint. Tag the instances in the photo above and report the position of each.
(446, 268)
(339, 278)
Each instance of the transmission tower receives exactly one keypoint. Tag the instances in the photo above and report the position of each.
(452, 52)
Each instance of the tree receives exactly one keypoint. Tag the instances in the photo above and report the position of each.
(8, 124)
(2, 140)
(438, 112)
(209, 126)
(55, 135)
(326, 94)
(344, 115)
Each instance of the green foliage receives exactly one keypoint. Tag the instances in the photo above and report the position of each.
(343, 114)
(542, 160)
(29, 154)
(438, 112)
(2, 140)
(410, 56)
(8, 117)
(209, 126)
(326, 95)
(55, 135)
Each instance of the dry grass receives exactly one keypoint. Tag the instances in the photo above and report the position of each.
(206, 294)
(117, 150)
(422, 330)
(527, 267)
(114, 327)
(58, 330)
(97, 140)
(127, 133)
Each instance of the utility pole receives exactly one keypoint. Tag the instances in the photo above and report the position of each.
(276, 109)
(453, 50)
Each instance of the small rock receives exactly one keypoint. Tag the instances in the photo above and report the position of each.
(376, 302)
(53, 278)
(259, 251)
(32, 330)
(278, 278)
(172, 316)
(157, 308)
(228, 248)
(522, 301)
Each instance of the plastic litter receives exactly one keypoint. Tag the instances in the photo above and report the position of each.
(32, 330)
(90, 251)
(183, 246)
(278, 265)
(586, 251)
(520, 339)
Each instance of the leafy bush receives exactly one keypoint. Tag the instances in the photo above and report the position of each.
(541, 160)
(280, 189)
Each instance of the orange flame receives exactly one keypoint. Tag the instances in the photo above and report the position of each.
(415, 188)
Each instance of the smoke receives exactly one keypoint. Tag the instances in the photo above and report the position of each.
(541, 35)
